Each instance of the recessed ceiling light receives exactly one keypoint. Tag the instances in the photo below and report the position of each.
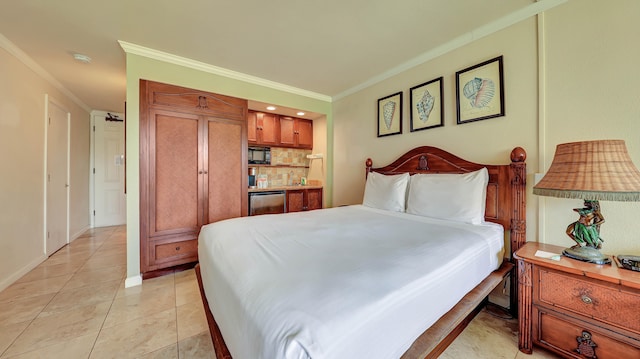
(82, 58)
(300, 113)
(271, 108)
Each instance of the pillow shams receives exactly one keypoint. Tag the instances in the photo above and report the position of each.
(456, 197)
(386, 192)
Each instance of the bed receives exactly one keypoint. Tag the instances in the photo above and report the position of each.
(398, 276)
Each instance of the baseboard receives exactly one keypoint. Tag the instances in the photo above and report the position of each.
(77, 235)
(133, 281)
(24, 270)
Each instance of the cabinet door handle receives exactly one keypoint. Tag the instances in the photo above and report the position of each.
(205, 172)
(177, 248)
(586, 299)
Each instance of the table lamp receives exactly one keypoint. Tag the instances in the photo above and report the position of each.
(592, 171)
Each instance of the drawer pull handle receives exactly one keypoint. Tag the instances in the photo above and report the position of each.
(587, 300)
(178, 248)
(586, 346)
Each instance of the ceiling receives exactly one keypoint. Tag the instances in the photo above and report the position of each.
(327, 47)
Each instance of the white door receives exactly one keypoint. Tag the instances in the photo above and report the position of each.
(57, 178)
(110, 200)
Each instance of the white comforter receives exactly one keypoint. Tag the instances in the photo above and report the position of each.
(346, 282)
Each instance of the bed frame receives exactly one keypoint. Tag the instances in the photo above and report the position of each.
(506, 202)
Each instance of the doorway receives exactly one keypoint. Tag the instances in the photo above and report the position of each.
(109, 204)
(56, 177)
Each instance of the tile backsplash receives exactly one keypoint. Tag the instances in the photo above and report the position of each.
(289, 156)
(283, 176)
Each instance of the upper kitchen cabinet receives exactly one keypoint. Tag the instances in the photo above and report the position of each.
(193, 170)
(262, 128)
(296, 132)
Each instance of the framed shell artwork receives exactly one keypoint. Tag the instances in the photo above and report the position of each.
(480, 91)
(390, 115)
(426, 103)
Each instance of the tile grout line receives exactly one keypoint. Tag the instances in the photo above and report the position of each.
(175, 305)
(55, 295)
(41, 310)
(91, 343)
(115, 295)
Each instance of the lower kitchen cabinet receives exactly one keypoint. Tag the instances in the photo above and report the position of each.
(577, 309)
(304, 199)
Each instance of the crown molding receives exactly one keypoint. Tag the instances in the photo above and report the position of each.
(201, 66)
(460, 41)
(28, 61)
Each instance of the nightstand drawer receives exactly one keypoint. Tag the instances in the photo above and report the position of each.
(610, 304)
(562, 334)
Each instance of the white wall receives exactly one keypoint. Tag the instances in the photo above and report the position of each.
(591, 92)
(22, 136)
(318, 167)
(583, 87)
(487, 141)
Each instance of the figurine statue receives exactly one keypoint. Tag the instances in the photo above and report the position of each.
(586, 230)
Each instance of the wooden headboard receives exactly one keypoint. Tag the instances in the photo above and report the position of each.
(506, 198)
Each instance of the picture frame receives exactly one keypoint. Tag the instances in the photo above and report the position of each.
(480, 91)
(427, 105)
(390, 115)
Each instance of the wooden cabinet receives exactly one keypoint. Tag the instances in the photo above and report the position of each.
(296, 132)
(306, 199)
(192, 169)
(267, 129)
(304, 133)
(577, 309)
(263, 128)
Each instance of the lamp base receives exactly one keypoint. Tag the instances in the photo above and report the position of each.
(586, 254)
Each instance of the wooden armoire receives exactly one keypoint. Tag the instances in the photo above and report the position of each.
(193, 170)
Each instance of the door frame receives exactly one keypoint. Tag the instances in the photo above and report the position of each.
(47, 100)
(92, 162)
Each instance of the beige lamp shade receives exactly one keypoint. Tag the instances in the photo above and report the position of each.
(591, 170)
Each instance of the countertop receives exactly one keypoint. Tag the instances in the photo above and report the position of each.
(282, 188)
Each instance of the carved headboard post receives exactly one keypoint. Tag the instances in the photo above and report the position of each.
(369, 165)
(518, 186)
(518, 217)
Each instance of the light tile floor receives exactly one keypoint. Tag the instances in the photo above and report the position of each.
(74, 305)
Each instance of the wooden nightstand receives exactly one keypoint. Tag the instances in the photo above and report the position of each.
(577, 309)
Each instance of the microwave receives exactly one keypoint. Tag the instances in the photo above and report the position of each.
(259, 155)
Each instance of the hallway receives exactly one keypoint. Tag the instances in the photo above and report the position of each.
(74, 305)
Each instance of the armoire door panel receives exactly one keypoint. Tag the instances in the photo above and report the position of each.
(175, 172)
(225, 172)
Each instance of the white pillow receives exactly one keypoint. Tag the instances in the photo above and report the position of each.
(456, 197)
(386, 192)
